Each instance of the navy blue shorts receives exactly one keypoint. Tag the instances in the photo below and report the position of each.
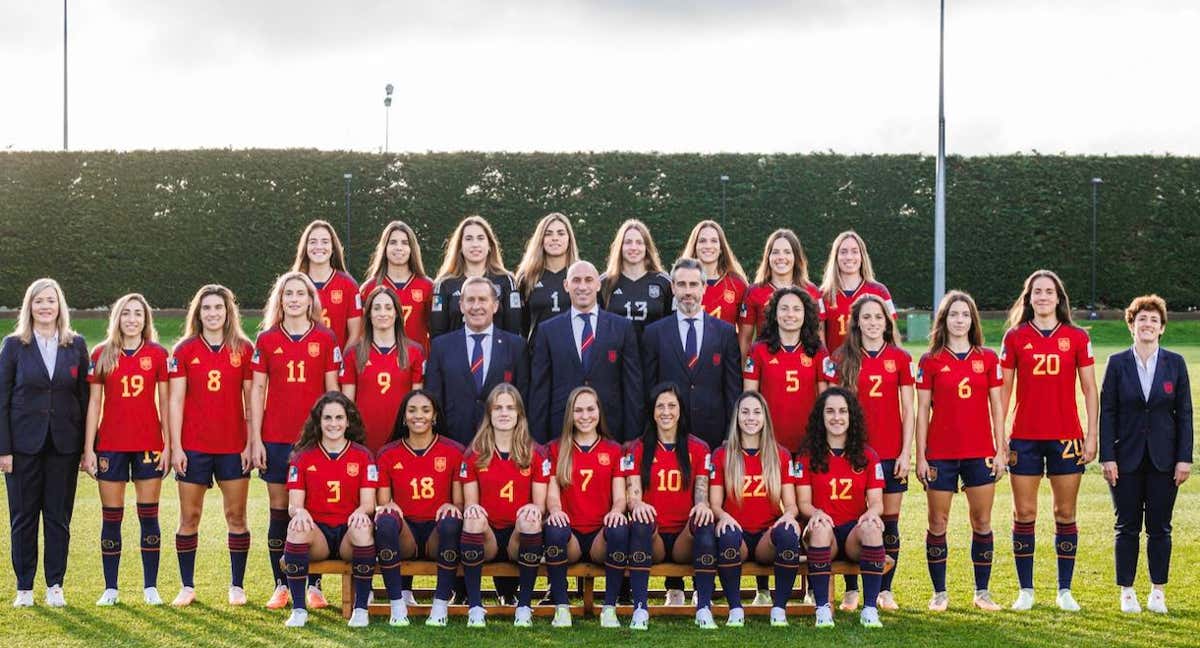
(204, 468)
(503, 537)
(890, 483)
(751, 539)
(586, 540)
(334, 533)
(669, 540)
(278, 455)
(840, 533)
(945, 474)
(127, 466)
(421, 532)
(1028, 457)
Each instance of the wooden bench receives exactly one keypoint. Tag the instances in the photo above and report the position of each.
(587, 574)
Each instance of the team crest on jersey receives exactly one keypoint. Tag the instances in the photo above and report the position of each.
(439, 464)
(729, 296)
(1064, 344)
(653, 291)
(605, 460)
(716, 359)
(418, 294)
(805, 361)
(146, 364)
(335, 296)
(612, 355)
(1168, 387)
(235, 360)
(314, 349)
(352, 469)
(977, 366)
(889, 366)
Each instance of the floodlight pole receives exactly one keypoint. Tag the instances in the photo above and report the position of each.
(939, 200)
(724, 181)
(1096, 182)
(347, 177)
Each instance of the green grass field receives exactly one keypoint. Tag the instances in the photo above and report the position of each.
(211, 622)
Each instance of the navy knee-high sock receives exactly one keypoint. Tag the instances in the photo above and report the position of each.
(982, 546)
(557, 538)
(529, 556)
(295, 564)
(1023, 540)
(387, 550)
(185, 551)
(871, 563)
(729, 565)
(276, 538)
(704, 564)
(471, 547)
(151, 539)
(449, 531)
(616, 540)
(110, 543)
(787, 561)
(820, 566)
(239, 549)
(936, 554)
(851, 581)
(891, 546)
(762, 582)
(362, 566)
(1066, 542)
(641, 559)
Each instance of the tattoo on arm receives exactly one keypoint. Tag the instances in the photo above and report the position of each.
(700, 495)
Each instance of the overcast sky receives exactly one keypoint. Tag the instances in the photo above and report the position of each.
(853, 76)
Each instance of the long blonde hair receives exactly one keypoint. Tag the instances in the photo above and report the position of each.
(379, 262)
(24, 328)
(831, 281)
(231, 333)
(337, 260)
(111, 347)
(362, 348)
(566, 441)
(273, 314)
(727, 261)
(484, 444)
(616, 261)
(940, 335)
(799, 260)
(533, 264)
(453, 264)
(768, 452)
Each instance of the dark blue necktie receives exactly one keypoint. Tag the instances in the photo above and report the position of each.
(585, 340)
(477, 360)
(689, 347)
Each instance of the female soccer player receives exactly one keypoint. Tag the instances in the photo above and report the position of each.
(542, 274)
(585, 496)
(210, 379)
(296, 360)
(848, 275)
(1043, 353)
(960, 438)
(783, 265)
(503, 477)
(634, 285)
(840, 492)
(788, 364)
(473, 251)
(753, 499)
(872, 366)
(724, 274)
(331, 495)
(381, 368)
(396, 265)
(420, 507)
(125, 436)
(667, 488)
(319, 255)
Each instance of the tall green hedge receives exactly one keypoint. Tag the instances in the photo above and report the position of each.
(163, 222)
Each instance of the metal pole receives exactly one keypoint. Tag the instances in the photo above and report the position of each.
(64, 75)
(387, 125)
(939, 200)
(724, 180)
(347, 177)
(1096, 182)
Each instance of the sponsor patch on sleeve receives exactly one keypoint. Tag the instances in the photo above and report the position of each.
(879, 472)
(293, 474)
(627, 462)
(372, 472)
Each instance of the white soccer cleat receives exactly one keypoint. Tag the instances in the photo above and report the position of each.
(983, 601)
(298, 619)
(736, 618)
(237, 595)
(762, 597)
(407, 597)
(399, 616)
(869, 617)
(562, 617)
(476, 617)
(1129, 602)
(523, 617)
(640, 619)
(151, 597)
(849, 601)
(108, 598)
(55, 597)
(886, 601)
(185, 597)
(939, 602)
(1024, 600)
(608, 617)
(24, 599)
(1156, 602)
(438, 613)
(1066, 602)
(704, 619)
(675, 597)
(359, 618)
(824, 616)
(778, 617)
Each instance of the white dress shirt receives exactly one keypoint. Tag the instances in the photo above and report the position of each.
(486, 343)
(48, 347)
(1146, 371)
(577, 326)
(683, 329)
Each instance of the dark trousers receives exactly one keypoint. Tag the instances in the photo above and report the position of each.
(41, 486)
(1149, 495)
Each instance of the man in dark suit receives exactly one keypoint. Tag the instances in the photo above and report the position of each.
(697, 352)
(585, 346)
(466, 364)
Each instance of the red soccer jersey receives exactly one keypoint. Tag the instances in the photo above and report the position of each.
(129, 421)
(756, 512)
(841, 491)
(295, 372)
(420, 479)
(589, 496)
(879, 381)
(1046, 367)
(788, 381)
(758, 297)
(214, 413)
(331, 485)
(666, 491)
(960, 426)
(380, 387)
(723, 298)
(837, 311)
(340, 302)
(416, 297)
(504, 487)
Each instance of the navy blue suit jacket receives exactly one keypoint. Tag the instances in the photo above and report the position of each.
(614, 371)
(448, 377)
(710, 388)
(34, 404)
(1132, 427)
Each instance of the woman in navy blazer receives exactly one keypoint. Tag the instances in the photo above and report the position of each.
(1145, 446)
(43, 406)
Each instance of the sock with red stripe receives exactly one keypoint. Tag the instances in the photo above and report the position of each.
(787, 562)
(151, 539)
(471, 548)
(871, 563)
(935, 555)
(1066, 542)
(110, 543)
(362, 566)
(449, 532)
(529, 556)
(729, 566)
(387, 546)
(820, 566)
(982, 548)
(641, 558)
(239, 549)
(295, 564)
(616, 542)
(1023, 543)
(704, 563)
(185, 551)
